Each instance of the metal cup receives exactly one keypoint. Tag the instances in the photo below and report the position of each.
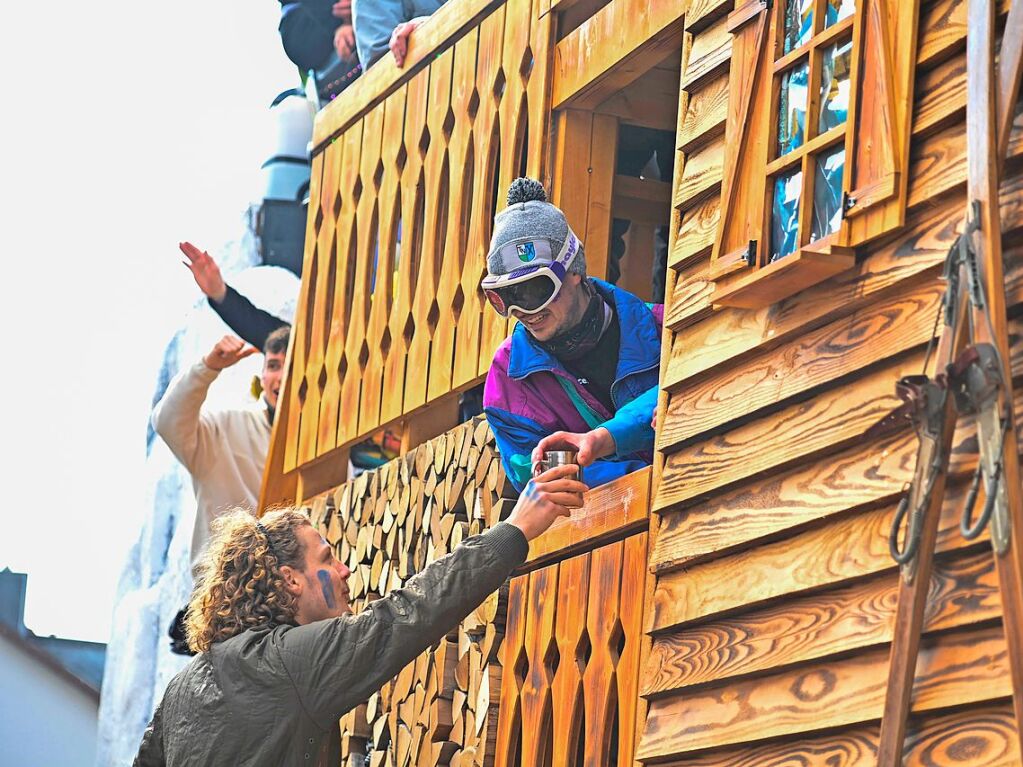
(554, 458)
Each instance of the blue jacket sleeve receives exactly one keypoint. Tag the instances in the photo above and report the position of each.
(517, 436)
(630, 426)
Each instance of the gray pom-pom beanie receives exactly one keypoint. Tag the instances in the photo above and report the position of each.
(529, 230)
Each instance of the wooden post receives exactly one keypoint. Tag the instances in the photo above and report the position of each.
(987, 142)
(983, 166)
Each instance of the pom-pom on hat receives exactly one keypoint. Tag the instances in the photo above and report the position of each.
(529, 232)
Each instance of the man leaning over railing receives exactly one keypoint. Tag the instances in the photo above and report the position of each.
(584, 355)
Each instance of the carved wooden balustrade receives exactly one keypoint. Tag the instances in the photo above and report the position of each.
(406, 173)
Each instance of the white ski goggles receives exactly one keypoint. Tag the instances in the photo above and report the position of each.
(531, 288)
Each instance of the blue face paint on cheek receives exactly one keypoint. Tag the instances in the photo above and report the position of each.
(327, 588)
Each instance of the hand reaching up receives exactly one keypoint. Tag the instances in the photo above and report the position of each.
(205, 271)
(228, 351)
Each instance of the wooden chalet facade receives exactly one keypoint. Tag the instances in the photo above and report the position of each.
(735, 604)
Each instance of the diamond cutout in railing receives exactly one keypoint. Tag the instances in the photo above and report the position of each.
(520, 668)
(458, 302)
(363, 355)
(474, 104)
(357, 189)
(409, 330)
(499, 84)
(424, 140)
(583, 651)
(321, 380)
(449, 123)
(432, 316)
(378, 174)
(616, 641)
(526, 65)
(552, 659)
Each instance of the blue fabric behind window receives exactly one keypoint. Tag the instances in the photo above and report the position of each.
(827, 193)
(798, 23)
(785, 214)
(792, 108)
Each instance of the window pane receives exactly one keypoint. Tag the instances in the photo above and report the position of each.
(837, 10)
(798, 23)
(785, 214)
(835, 85)
(827, 193)
(792, 108)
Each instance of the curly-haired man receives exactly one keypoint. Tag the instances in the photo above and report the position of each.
(280, 656)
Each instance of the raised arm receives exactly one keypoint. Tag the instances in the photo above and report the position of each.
(178, 416)
(251, 323)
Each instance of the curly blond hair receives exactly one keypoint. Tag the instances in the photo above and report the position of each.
(240, 584)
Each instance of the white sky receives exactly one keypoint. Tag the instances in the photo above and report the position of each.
(125, 128)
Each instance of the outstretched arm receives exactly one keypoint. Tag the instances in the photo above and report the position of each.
(629, 431)
(338, 663)
(518, 437)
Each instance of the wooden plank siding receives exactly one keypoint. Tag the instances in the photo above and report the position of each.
(778, 477)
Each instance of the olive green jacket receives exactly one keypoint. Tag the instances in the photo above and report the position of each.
(273, 696)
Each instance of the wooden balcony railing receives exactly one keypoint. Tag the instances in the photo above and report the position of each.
(408, 168)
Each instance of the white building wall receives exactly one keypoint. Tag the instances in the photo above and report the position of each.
(45, 719)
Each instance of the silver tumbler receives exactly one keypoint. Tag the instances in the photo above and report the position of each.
(554, 458)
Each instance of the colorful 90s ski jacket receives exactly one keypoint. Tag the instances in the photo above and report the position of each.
(527, 394)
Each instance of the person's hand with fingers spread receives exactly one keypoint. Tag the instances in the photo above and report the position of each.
(400, 36)
(205, 271)
(589, 446)
(228, 351)
(551, 495)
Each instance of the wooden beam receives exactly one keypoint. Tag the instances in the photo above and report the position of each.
(650, 102)
(985, 163)
(613, 48)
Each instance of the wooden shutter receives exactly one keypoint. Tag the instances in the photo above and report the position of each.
(884, 42)
(739, 235)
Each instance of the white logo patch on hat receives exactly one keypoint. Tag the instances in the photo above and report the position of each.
(526, 251)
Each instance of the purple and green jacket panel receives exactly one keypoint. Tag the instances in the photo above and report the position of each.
(529, 394)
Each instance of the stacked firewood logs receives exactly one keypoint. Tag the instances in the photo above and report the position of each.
(387, 525)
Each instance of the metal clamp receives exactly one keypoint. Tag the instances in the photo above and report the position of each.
(978, 382)
(924, 404)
